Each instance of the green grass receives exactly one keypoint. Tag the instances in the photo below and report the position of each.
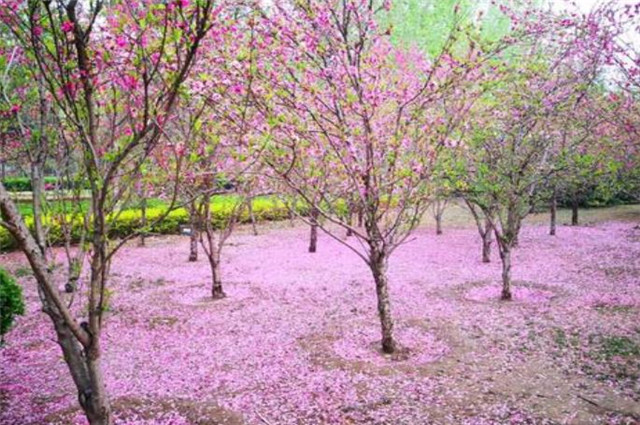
(23, 271)
(456, 215)
(610, 346)
(25, 206)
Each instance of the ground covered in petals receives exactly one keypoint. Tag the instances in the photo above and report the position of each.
(296, 339)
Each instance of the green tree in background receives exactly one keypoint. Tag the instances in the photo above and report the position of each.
(427, 24)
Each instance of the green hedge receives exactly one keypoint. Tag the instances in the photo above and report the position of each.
(23, 184)
(11, 302)
(130, 221)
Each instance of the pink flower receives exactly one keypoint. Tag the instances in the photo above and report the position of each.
(67, 26)
(70, 88)
(121, 41)
(129, 82)
(237, 88)
(37, 31)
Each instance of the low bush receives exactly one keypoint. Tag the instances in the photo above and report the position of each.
(11, 302)
(129, 221)
(23, 184)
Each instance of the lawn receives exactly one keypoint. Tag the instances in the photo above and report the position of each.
(296, 340)
(25, 205)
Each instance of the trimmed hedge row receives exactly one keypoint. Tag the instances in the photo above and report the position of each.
(130, 221)
(23, 184)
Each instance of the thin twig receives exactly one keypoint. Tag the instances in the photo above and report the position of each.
(263, 419)
(588, 401)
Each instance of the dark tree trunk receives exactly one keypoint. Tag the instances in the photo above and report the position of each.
(216, 288)
(3, 169)
(86, 372)
(292, 212)
(349, 220)
(212, 248)
(75, 268)
(193, 245)
(313, 238)
(507, 238)
(81, 349)
(574, 212)
(143, 220)
(97, 404)
(194, 236)
(38, 194)
(505, 256)
(516, 236)
(486, 242)
(553, 212)
(252, 216)
(292, 218)
(438, 224)
(485, 229)
(379, 270)
(438, 207)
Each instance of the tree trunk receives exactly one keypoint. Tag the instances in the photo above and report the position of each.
(74, 270)
(313, 238)
(193, 245)
(438, 224)
(194, 236)
(379, 270)
(216, 281)
(292, 212)
(553, 211)
(515, 242)
(96, 403)
(486, 242)
(438, 207)
(38, 194)
(86, 372)
(143, 220)
(3, 155)
(252, 216)
(484, 229)
(81, 349)
(211, 248)
(505, 256)
(574, 212)
(349, 220)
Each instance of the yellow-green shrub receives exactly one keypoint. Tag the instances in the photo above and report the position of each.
(129, 221)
